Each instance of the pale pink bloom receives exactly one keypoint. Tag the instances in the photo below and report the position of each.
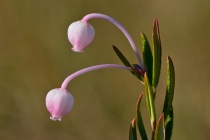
(59, 102)
(80, 35)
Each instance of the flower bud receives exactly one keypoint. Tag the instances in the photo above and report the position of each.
(80, 35)
(59, 102)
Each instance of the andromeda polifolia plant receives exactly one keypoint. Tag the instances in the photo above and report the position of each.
(81, 33)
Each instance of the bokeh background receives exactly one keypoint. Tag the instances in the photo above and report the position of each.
(36, 56)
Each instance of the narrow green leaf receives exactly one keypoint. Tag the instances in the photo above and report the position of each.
(147, 56)
(169, 87)
(169, 124)
(150, 101)
(156, 54)
(126, 63)
(160, 129)
(121, 56)
(139, 120)
(132, 131)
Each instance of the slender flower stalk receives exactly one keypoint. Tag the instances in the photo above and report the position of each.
(88, 69)
(59, 101)
(122, 28)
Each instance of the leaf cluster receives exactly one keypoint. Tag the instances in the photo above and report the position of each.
(149, 75)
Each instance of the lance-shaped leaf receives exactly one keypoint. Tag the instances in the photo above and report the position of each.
(169, 124)
(160, 129)
(132, 131)
(150, 101)
(169, 87)
(126, 62)
(139, 120)
(121, 56)
(147, 56)
(156, 54)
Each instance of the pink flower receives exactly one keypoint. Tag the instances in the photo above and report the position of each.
(59, 102)
(80, 35)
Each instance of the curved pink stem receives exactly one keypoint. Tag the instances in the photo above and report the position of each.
(116, 23)
(88, 69)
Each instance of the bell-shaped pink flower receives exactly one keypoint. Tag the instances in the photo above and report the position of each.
(80, 35)
(59, 102)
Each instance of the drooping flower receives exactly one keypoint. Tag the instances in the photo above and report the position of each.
(59, 102)
(80, 35)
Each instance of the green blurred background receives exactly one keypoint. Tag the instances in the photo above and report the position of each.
(35, 57)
